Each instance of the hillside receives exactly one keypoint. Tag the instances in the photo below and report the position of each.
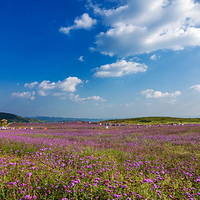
(41, 119)
(156, 120)
(18, 119)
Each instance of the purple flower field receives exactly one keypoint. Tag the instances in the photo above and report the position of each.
(87, 161)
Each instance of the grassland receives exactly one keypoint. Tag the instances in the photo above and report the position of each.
(87, 161)
(156, 120)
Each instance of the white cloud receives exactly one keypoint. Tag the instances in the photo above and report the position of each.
(42, 93)
(31, 85)
(195, 88)
(83, 22)
(92, 49)
(81, 59)
(61, 95)
(24, 95)
(96, 98)
(67, 85)
(154, 57)
(120, 68)
(141, 26)
(65, 30)
(58, 94)
(47, 85)
(77, 98)
(150, 93)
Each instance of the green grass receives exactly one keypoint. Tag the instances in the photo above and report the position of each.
(156, 120)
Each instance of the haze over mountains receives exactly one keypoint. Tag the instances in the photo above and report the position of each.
(41, 119)
(63, 119)
(141, 120)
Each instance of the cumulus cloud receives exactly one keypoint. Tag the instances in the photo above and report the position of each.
(67, 85)
(24, 95)
(82, 22)
(47, 85)
(140, 26)
(46, 88)
(195, 88)
(77, 98)
(150, 93)
(60, 89)
(31, 85)
(120, 68)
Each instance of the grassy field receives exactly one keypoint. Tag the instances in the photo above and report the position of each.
(84, 161)
(156, 120)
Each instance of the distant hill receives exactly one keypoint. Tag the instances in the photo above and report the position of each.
(156, 120)
(18, 119)
(140, 120)
(63, 119)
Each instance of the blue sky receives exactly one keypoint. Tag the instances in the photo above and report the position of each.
(100, 59)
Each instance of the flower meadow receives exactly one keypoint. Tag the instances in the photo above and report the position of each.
(88, 161)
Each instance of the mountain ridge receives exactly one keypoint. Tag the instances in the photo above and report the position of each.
(137, 120)
(17, 119)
